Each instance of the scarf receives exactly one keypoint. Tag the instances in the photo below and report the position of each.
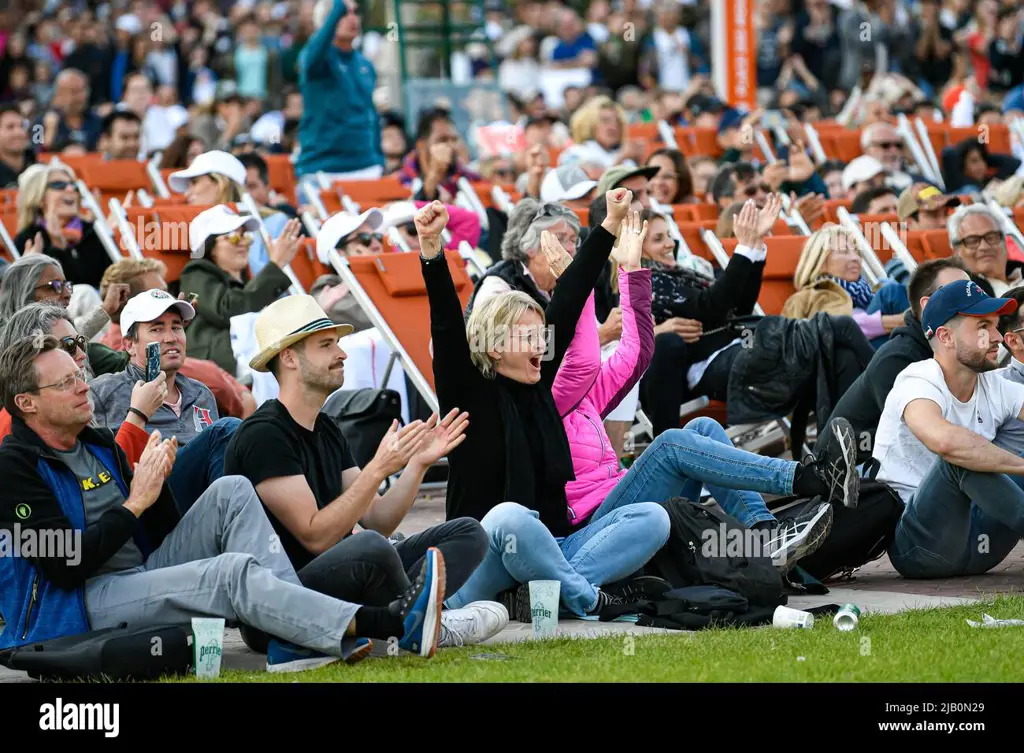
(519, 403)
(71, 232)
(688, 276)
(859, 291)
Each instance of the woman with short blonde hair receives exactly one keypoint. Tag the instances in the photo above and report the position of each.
(598, 130)
(829, 279)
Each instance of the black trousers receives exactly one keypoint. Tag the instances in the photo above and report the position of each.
(370, 570)
(663, 387)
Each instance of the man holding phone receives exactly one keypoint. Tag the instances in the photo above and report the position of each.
(153, 332)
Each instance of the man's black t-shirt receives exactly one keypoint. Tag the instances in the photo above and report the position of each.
(271, 444)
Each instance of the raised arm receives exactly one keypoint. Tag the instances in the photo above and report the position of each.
(576, 280)
(313, 57)
(633, 354)
(581, 364)
(453, 367)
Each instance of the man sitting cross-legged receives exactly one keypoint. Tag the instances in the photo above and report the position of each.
(135, 561)
(189, 409)
(314, 493)
(964, 513)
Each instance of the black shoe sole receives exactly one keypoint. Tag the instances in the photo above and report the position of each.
(811, 544)
(641, 588)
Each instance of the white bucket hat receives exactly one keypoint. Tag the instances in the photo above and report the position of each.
(217, 221)
(286, 321)
(342, 225)
(208, 163)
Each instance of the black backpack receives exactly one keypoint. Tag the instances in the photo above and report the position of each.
(683, 561)
(859, 535)
(113, 654)
(364, 417)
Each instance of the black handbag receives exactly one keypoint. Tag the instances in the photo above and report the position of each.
(113, 654)
(364, 417)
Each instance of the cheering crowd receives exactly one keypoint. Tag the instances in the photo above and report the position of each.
(623, 245)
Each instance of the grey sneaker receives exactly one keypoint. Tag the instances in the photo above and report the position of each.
(798, 537)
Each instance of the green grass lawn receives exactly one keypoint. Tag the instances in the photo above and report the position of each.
(934, 645)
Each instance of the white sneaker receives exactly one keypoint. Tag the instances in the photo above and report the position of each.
(472, 624)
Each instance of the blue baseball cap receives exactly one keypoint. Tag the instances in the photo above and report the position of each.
(964, 298)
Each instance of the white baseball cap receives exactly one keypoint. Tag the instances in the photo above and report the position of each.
(150, 305)
(208, 163)
(342, 225)
(861, 169)
(565, 183)
(217, 221)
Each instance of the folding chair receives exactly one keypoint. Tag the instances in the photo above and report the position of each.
(391, 290)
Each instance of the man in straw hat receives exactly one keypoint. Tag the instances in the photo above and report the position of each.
(139, 562)
(314, 493)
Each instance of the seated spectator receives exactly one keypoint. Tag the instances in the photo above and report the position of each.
(829, 278)
(673, 183)
(1011, 435)
(862, 403)
(882, 142)
(220, 178)
(219, 275)
(188, 411)
(934, 443)
(50, 222)
(924, 207)
(141, 275)
(976, 236)
(183, 151)
(53, 319)
(703, 169)
(969, 166)
(862, 174)
(520, 489)
(69, 120)
(143, 564)
(598, 130)
(568, 185)
(737, 183)
(15, 154)
(333, 296)
(679, 461)
(121, 135)
(831, 173)
(314, 493)
(878, 200)
(38, 278)
(435, 161)
(274, 209)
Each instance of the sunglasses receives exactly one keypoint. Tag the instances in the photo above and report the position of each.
(889, 144)
(60, 185)
(751, 191)
(57, 286)
(238, 238)
(71, 345)
(364, 239)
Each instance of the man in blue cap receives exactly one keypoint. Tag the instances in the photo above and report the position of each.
(964, 514)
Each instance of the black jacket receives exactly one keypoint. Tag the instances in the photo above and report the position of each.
(863, 402)
(84, 262)
(477, 478)
(20, 455)
(789, 368)
(733, 294)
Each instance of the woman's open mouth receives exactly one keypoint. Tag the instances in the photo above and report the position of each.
(535, 361)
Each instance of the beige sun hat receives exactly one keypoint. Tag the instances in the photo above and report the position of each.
(286, 321)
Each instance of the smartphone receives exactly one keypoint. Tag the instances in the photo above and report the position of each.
(152, 361)
(192, 298)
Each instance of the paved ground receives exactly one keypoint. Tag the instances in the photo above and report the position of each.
(875, 588)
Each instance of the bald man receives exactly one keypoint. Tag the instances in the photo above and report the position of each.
(69, 119)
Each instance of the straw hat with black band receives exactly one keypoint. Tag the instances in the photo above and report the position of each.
(287, 321)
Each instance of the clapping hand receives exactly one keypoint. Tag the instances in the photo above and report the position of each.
(632, 241)
(398, 447)
(441, 439)
(751, 226)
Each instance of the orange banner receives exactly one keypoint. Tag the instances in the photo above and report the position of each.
(734, 51)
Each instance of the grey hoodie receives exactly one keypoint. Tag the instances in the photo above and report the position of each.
(112, 395)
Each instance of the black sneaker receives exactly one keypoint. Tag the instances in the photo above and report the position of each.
(604, 599)
(837, 464)
(640, 588)
(796, 538)
(517, 603)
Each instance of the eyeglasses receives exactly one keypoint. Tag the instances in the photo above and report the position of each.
(889, 144)
(66, 383)
(71, 345)
(59, 185)
(752, 190)
(57, 286)
(238, 238)
(993, 238)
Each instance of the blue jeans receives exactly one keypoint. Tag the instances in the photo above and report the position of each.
(958, 522)
(629, 527)
(680, 461)
(200, 463)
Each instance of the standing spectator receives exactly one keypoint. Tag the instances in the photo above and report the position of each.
(340, 130)
(934, 48)
(670, 44)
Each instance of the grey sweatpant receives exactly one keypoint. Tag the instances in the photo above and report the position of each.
(222, 560)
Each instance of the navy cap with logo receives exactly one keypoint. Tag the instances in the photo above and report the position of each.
(962, 298)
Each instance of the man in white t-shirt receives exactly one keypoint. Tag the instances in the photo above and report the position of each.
(934, 445)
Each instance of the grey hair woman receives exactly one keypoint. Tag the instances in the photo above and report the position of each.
(38, 278)
(523, 266)
(50, 319)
